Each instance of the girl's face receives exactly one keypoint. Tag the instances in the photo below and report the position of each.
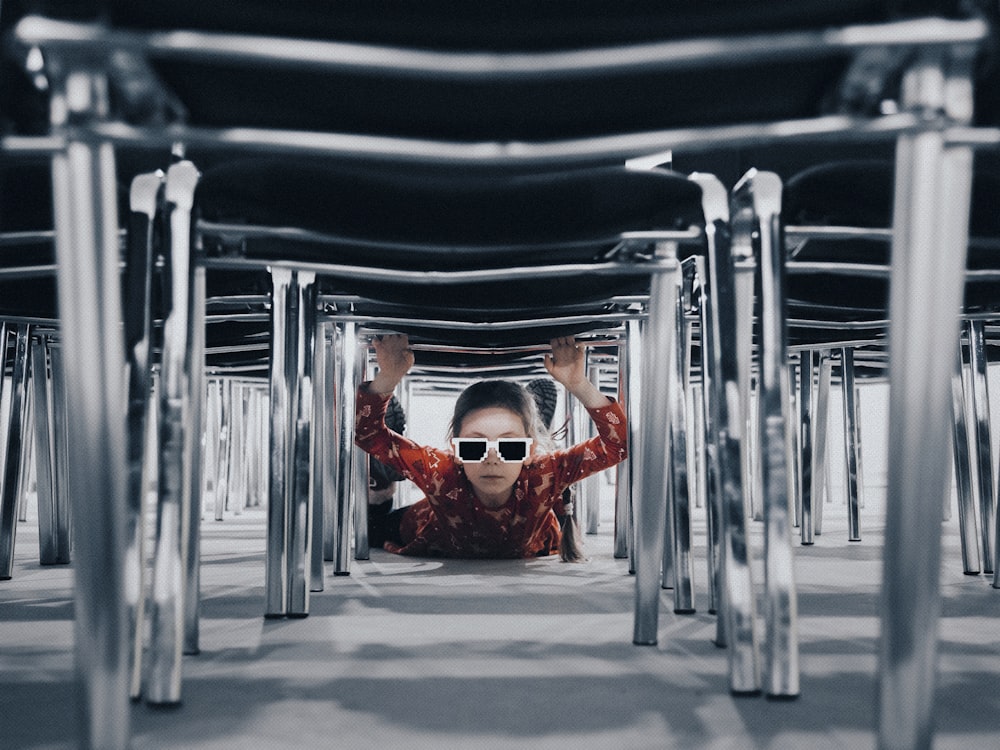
(492, 479)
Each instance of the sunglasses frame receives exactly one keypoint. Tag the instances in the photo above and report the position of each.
(495, 445)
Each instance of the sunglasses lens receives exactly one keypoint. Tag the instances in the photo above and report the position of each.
(512, 450)
(471, 450)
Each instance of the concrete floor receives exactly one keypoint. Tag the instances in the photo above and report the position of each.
(501, 654)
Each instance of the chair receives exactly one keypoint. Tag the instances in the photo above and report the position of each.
(844, 275)
(836, 219)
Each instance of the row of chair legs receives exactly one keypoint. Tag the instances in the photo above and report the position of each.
(290, 556)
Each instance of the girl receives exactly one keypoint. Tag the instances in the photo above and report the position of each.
(495, 494)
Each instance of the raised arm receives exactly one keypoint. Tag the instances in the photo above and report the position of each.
(567, 366)
(395, 358)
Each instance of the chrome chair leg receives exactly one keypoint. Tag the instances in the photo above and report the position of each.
(225, 406)
(322, 407)
(176, 452)
(212, 457)
(652, 467)
(194, 483)
(53, 513)
(928, 262)
(982, 445)
(962, 453)
(711, 482)
(808, 362)
(591, 486)
(276, 569)
(737, 600)
(744, 274)
(623, 483)
(347, 385)
(636, 342)
(88, 281)
(329, 457)
(300, 505)
(679, 514)
(821, 453)
(795, 443)
(288, 515)
(851, 447)
(359, 466)
(14, 446)
(781, 613)
(144, 197)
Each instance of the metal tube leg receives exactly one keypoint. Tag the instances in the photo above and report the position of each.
(743, 339)
(794, 448)
(781, 616)
(591, 486)
(807, 365)
(711, 482)
(359, 464)
(321, 457)
(14, 447)
(851, 448)
(330, 456)
(737, 598)
(347, 388)
(651, 472)
(980, 418)
(623, 484)
(144, 200)
(680, 497)
(821, 454)
(60, 459)
(48, 542)
(176, 449)
(212, 447)
(195, 460)
(225, 454)
(963, 476)
(636, 343)
(928, 262)
(276, 566)
(85, 198)
(300, 461)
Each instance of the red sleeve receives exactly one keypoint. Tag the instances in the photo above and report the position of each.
(432, 470)
(606, 449)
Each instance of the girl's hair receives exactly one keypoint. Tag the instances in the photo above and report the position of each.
(504, 394)
(507, 394)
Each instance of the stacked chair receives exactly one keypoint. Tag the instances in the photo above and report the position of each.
(28, 315)
(836, 220)
(457, 175)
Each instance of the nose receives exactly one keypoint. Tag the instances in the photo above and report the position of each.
(492, 456)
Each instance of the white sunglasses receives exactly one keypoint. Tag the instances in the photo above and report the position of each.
(475, 450)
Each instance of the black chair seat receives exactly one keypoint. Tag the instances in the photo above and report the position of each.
(858, 193)
(431, 221)
(447, 221)
(510, 25)
(502, 108)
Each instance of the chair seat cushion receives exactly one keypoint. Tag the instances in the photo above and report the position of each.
(507, 25)
(429, 220)
(859, 193)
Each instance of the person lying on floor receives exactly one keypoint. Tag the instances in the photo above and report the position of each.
(495, 495)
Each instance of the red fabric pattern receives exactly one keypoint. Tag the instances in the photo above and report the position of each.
(451, 522)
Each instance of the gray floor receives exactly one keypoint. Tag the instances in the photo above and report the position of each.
(500, 654)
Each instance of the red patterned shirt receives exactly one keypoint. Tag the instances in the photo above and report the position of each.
(451, 522)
